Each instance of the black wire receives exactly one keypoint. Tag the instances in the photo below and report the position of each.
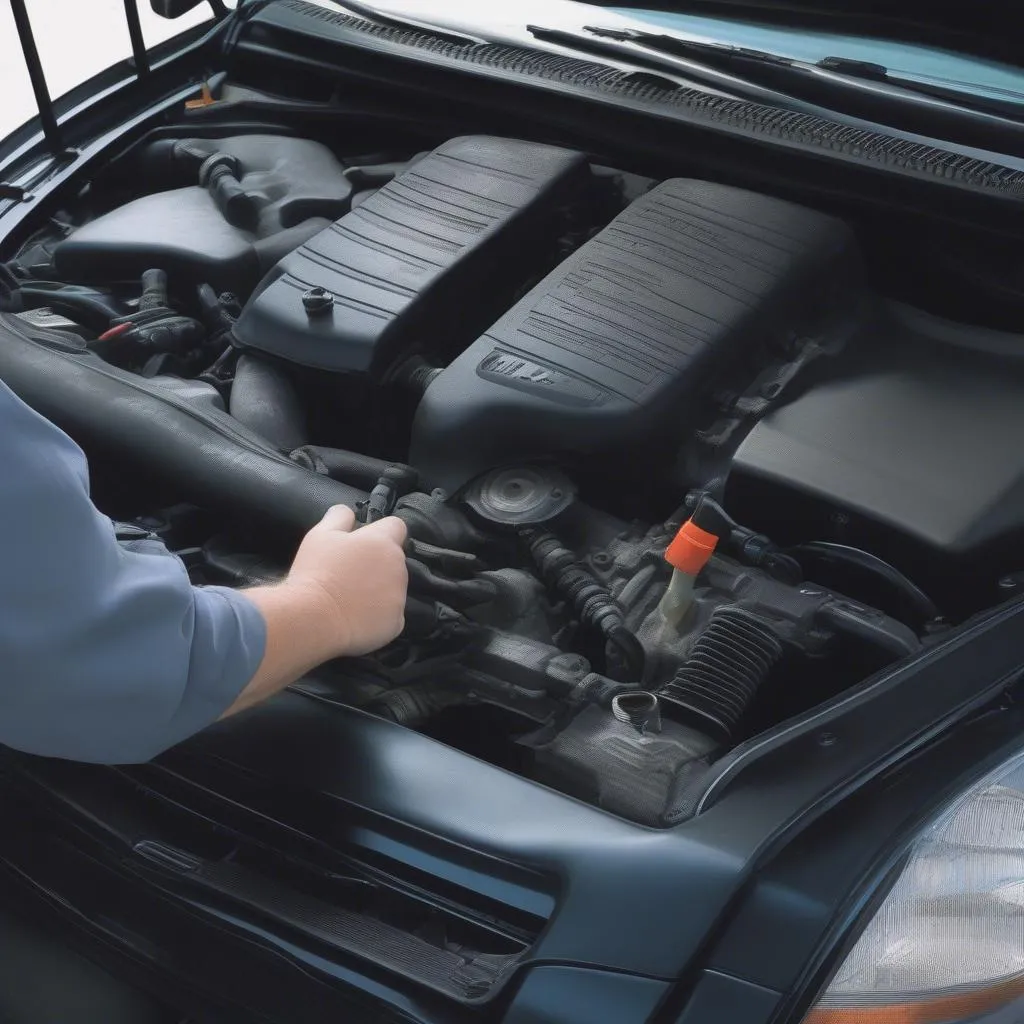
(631, 652)
(588, 596)
(875, 566)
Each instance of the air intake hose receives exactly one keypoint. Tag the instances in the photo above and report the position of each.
(354, 468)
(178, 162)
(206, 456)
(415, 704)
(728, 663)
(264, 400)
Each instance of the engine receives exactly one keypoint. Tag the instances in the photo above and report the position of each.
(673, 472)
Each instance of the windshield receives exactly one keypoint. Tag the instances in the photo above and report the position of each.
(914, 62)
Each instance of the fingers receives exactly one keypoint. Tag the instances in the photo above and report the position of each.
(392, 527)
(339, 517)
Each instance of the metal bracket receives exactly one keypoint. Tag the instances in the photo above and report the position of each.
(15, 192)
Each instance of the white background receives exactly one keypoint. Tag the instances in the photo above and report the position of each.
(76, 39)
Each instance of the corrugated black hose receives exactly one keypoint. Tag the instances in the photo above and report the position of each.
(727, 665)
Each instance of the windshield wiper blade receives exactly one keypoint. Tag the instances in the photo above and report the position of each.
(776, 69)
(613, 44)
(677, 46)
(735, 70)
(370, 13)
(862, 91)
(868, 71)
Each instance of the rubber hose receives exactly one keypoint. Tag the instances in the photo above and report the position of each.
(639, 710)
(629, 649)
(264, 400)
(412, 705)
(462, 565)
(589, 597)
(458, 593)
(205, 455)
(219, 175)
(821, 551)
(353, 467)
(171, 163)
(727, 665)
(154, 290)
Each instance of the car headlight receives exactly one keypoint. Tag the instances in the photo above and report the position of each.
(947, 943)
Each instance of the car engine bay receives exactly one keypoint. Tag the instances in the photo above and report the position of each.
(674, 470)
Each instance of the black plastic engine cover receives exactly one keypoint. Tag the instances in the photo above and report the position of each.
(908, 446)
(415, 263)
(298, 185)
(607, 355)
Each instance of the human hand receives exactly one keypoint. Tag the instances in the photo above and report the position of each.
(356, 578)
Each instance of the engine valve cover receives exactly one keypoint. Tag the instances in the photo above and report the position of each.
(412, 263)
(608, 353)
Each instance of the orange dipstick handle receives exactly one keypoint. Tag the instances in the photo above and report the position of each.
(690, 548)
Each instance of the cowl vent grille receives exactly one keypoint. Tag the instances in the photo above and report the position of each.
(754, 119)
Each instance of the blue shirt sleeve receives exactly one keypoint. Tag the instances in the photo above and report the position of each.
(107, 654)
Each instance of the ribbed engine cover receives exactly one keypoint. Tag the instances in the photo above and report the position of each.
(608, 354)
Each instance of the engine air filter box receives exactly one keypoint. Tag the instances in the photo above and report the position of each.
(420, 262)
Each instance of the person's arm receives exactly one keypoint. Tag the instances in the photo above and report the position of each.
(344, 595)
(111, 655)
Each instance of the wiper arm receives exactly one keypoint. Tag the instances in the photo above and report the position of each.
(833, 87)
(868, 71)
(370, 13)
(612, 44)
(676, 46)
(830, 72)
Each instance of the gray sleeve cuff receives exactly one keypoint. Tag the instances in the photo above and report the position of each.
(107, 653)
(229, 640)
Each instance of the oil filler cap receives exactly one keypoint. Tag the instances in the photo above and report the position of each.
(317, 302)
(520, 495)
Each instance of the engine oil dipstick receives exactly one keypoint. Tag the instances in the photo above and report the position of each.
(690, 550)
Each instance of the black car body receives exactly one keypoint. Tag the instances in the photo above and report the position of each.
(549, 305)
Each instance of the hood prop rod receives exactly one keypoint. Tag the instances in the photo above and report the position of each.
(139, 55)
(44, 103)
(51, 130)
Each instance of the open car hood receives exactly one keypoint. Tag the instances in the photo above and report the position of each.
(702, 415)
